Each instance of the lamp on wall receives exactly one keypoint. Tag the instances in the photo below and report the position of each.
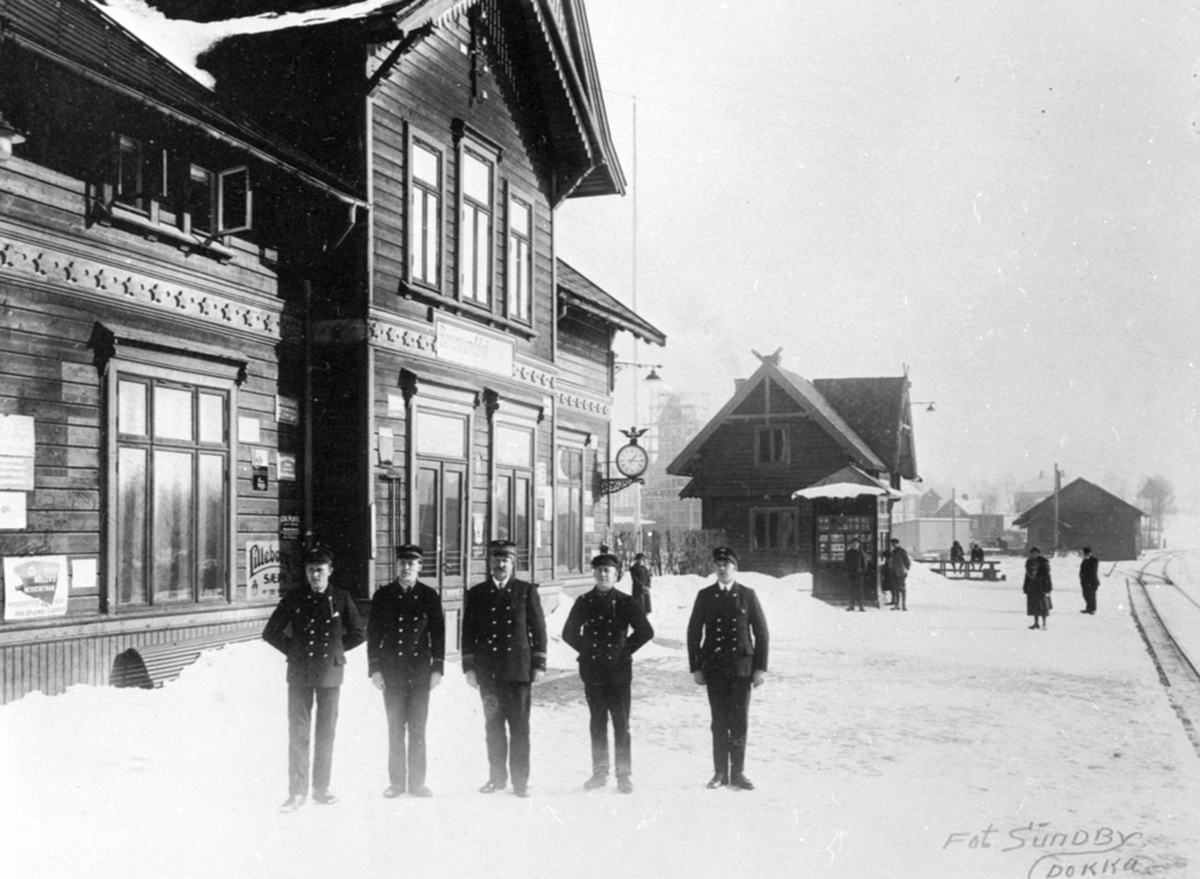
(928, 404)
(618, 365)
(9, 137)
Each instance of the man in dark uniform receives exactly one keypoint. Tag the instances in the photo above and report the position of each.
(313, 626)
(856, 570)
(503, 654)
(607, 627)
(727, 644)
(640, 575)
(1089, 579)
(406, 650)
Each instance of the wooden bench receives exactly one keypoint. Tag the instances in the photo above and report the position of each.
(985, 570)
(150, 665)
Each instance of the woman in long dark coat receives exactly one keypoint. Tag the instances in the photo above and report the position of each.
(1037, 589)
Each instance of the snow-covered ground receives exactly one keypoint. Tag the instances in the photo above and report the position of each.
(948, 741)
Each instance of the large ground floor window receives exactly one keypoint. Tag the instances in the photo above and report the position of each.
(171, 487)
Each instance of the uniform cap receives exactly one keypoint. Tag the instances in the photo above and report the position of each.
(605, 560)
(502, 547)
(725, 554)
(409, 551)
(318, 555)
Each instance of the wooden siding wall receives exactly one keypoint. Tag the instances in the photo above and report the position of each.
(728, 467)
(430, 88)
(60, 275)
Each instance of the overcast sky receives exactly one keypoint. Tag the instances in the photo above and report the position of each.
(1004, 197)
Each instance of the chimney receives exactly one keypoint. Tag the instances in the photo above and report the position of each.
(737, 384)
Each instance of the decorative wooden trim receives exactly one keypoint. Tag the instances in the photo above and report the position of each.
(90, 277)
(584, 404)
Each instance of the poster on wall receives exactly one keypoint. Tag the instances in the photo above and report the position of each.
(264, 569)
(35, 586)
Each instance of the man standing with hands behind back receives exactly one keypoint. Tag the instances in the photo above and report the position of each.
(727, 644)
(406, 649)
(503, 654)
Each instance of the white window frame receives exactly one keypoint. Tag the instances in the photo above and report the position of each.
(419, 193)
(519, 246)
(476, 247)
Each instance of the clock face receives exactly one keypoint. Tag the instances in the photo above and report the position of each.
(632, 460)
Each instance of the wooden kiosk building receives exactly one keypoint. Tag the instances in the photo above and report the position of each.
(780, 433)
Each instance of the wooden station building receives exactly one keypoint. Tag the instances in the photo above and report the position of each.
(780, 433)
(1087, 515)
(318, 303)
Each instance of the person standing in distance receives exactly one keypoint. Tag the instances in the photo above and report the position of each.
(899, 564)
(503, 655)
(727, 643)
(313, 626)
(640, 575)
(607, 627)
(1037, 589)
(1089, 579)
(856, 571)
(406, 651)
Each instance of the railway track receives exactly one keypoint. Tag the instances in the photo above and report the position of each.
(1176, 670)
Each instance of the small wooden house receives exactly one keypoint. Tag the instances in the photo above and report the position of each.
(780, 433)
(1087, 515)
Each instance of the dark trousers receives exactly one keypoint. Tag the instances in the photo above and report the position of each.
(729, 699)
(300, 710)
(1089, 598)
(506, 721)
(856, 590)
(899, 592)
(604, 701)
(407, 707)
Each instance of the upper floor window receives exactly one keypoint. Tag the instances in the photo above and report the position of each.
(141, 174)
(425, 213)
(771, 446)
(477, 207)
(151, 185)
(520, 258)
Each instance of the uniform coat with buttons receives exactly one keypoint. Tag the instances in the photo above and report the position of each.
(503, 643)
(607, 627)
(727, 632)
(406, 643)
(503, 631)
(728, 641)
(313, 630)
(406, 633)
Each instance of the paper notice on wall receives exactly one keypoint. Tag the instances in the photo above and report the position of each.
(16, 452)
(35, 586)
(12, 511)
(83, 575)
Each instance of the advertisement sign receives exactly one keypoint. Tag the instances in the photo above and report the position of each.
(264, 569)
(35, 586)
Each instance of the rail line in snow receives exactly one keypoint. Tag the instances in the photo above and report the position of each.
(1176, 670)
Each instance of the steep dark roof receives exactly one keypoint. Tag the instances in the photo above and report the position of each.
(82, 38)
(866, 403)
(585, 294)
(1046, 505)
(873, 407)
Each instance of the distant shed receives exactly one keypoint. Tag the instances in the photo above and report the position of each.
(1087, 516)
